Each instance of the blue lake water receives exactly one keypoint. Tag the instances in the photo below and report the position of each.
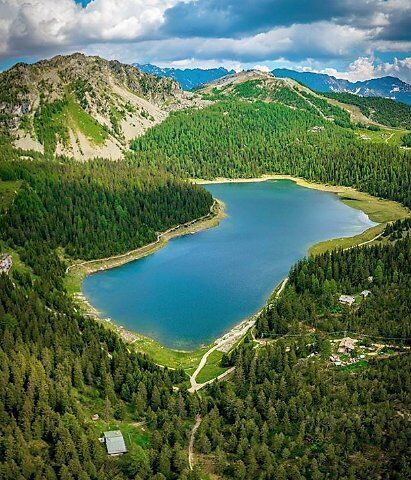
(199, 286)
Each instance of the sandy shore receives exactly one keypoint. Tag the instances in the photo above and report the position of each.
(78, 271)
(264, 178)
(212, 219)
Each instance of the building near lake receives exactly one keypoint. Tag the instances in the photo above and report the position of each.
(346, 300)
(347, 345)
(5, 263)
(114, 441)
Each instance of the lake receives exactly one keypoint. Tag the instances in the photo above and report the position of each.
(199, 286)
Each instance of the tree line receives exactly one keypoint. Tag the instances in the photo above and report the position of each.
(98, 209)
(236, 138)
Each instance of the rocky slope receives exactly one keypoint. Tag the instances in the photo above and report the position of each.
(257, 85)
(83, 106)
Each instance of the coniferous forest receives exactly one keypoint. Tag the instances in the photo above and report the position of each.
(234, 138)
(285, 412)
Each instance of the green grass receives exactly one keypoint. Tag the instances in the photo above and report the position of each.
(212, 368)
(80, 120)
(52, 122)
(168, 357)
(18, 264)
(389, 136)
(91, 402)
(379, 211)
(8, 190)
(355, 366)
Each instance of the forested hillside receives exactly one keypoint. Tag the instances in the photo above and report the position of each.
(235, 138)
(95, 210)
(285, 415)
(58, 367)
(288, 413)
(311, 296)
(381, 110)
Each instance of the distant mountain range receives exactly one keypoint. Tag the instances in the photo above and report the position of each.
(188, 78)
(388, 87)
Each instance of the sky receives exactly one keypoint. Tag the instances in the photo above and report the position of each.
(352, 39)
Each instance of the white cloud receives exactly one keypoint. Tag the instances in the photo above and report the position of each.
(262, 68)
(365, 68)
(28, 26)
(296, 43)
(130, 31)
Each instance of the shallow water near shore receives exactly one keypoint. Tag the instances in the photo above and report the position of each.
(199, 286)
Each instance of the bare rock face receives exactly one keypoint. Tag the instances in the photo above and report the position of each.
(83, 106)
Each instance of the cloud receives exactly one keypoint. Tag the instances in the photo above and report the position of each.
(238, 18)
(205, 32)
(365, 68)
(29, 26)
(262, 68)
(295, 42)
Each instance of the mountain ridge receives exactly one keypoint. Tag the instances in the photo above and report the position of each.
(188, 78)
(83, 106)
(388, 86)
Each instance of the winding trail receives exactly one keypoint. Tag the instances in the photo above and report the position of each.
(191, 442)
(365, 243)
(226, 342)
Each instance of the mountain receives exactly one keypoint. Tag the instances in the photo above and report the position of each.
(188, 78)
(83, 106)
(257, 85)
(389, 87)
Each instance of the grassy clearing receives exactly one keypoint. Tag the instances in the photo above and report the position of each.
(390, 136)
(8, 190)
(212, 368)
(80, 120)
(168, 357)
(134, 432)
(355, 366)
(18, 264)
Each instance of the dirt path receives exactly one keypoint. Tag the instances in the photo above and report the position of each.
(280, 291)
(365, 243)
(226, 342)
(389, 138)
(191, 442)
(146, 248)
(223, 344)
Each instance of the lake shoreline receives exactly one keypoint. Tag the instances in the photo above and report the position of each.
(378, 210)
(79, 270)
(348, 195)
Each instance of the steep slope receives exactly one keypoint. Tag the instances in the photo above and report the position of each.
(188, 78)
(257, 85)
(83, 106)
(345, 109)
(259, 124)
(390, 87)
(380, 110)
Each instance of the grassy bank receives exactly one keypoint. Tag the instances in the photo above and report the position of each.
(79, 270)
(378, 210)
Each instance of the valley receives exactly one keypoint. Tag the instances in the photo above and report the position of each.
(102, 164)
